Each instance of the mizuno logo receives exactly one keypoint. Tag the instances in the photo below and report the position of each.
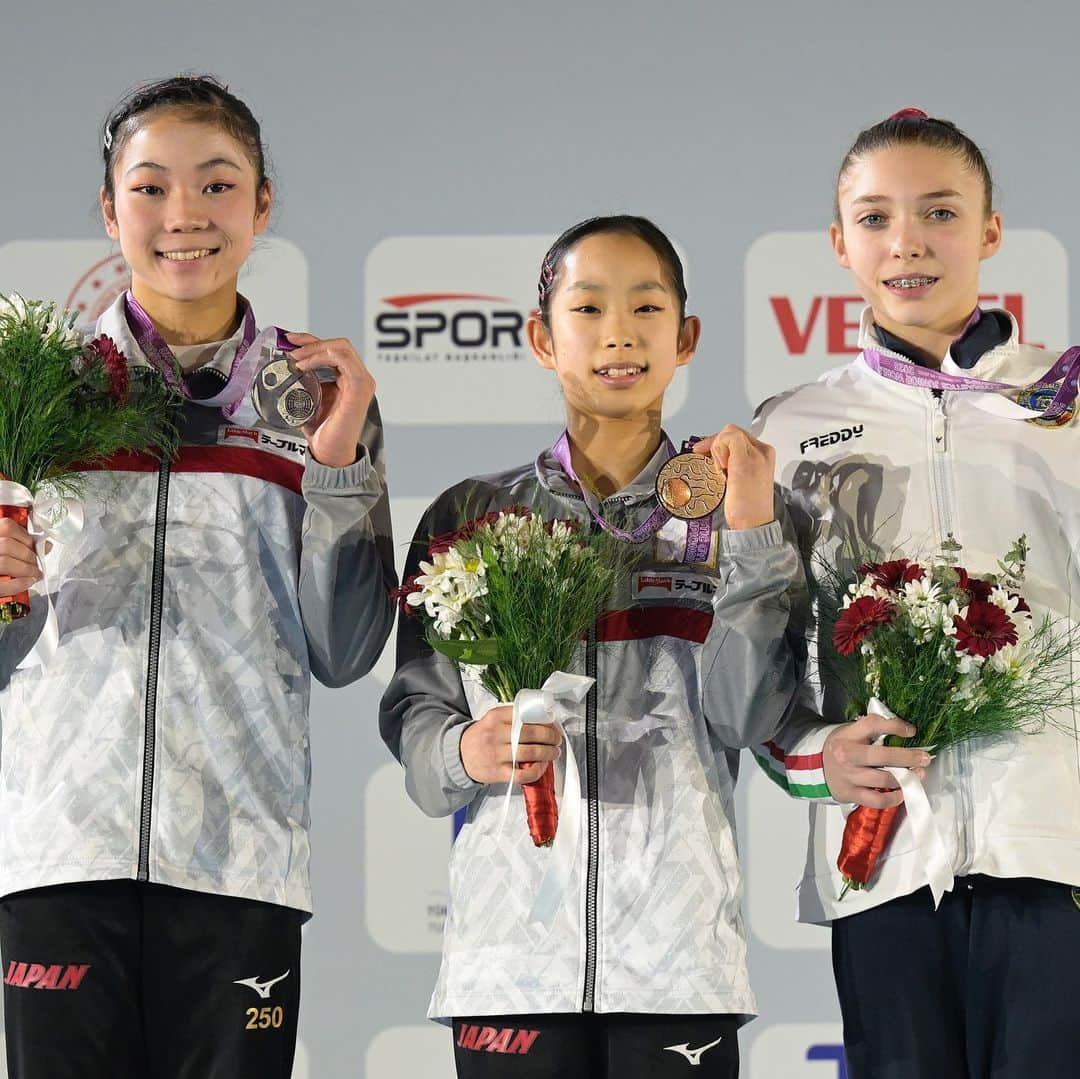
(845, 434)
(693, 1055)
(262, 988)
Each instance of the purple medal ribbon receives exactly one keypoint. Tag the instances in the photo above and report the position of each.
(1066, 371)
(241, 373)
(699, 532)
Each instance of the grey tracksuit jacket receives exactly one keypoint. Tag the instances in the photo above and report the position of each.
(692, 662)
(167, 740)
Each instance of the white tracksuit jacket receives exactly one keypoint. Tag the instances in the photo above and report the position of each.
(890, 468)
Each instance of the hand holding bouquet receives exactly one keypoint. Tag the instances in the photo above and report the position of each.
(63, 403)
(957, 656)
(509, 596)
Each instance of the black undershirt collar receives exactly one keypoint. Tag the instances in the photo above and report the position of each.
(993, 328)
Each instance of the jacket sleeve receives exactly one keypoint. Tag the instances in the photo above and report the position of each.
(347, 562)
(791, 754)
(792, 757)
(754, 658)
(424, 711)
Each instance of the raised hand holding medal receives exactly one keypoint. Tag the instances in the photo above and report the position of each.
(748, 467)
(335, 433)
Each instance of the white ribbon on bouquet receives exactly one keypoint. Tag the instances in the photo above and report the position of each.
(929, 843)
(553, 703)
(52, 518)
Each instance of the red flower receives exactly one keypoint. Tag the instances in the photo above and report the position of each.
(978, 589)
(893, 575)
(103, 350)
(986, 630)
(857, 622)
(400, 595)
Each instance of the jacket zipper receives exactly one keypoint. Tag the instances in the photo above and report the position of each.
(157, 587)
(943, 499)
(592, 867)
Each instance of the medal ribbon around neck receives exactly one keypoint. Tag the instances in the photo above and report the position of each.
(244, 361)
(698, 532)
(1065, 370)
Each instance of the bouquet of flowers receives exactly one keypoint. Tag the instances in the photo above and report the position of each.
(65, 403)
(509, 596)
(957, 656)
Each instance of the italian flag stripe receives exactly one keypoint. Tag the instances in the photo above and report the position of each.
(800, 775)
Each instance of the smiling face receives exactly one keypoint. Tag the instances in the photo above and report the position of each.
(913, 229)
(186, 209)
(615, 336)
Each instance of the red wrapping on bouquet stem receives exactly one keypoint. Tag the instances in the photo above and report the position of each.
(13, 607)
(541, 809)
(866, 834)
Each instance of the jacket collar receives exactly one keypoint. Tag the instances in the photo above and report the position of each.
(643, 486)
(982, 351)
(113, 322)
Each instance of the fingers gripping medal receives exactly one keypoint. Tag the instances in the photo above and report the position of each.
(689, 486)
(284, 397)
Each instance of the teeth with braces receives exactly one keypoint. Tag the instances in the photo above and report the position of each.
(911, 282)
(620, 372)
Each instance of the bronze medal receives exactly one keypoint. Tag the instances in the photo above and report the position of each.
(690, 486)
(1038, 398)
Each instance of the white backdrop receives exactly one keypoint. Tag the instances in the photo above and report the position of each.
(425, 154)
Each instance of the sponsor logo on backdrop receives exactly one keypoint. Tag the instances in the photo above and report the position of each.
(406, 899)
(802, 315)
(798, 1051)
(97, 289)
(88, 275)
(445, 336)
(451, 327)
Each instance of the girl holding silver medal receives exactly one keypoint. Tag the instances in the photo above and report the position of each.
(154, 794)
(693, 659)
(966, 441)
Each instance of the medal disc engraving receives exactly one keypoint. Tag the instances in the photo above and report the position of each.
(689, 486)
(283, 396)
(1039, 397)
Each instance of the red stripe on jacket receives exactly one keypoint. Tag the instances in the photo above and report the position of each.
(641, 623)
(227, 460)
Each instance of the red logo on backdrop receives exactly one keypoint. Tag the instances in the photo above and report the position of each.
(41, 976)
(838, 319)
(655, 582)
(96, 290)
(493, 1040)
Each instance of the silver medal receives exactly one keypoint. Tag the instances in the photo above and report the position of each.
(284, 397)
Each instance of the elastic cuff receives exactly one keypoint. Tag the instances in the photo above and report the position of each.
(351, 478)
(741, 540)
(451, 751)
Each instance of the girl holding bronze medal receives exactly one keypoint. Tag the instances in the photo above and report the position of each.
(690, 661)
(154, 797)
(966, 441)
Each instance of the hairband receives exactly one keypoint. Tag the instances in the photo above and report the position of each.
(909, 114)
